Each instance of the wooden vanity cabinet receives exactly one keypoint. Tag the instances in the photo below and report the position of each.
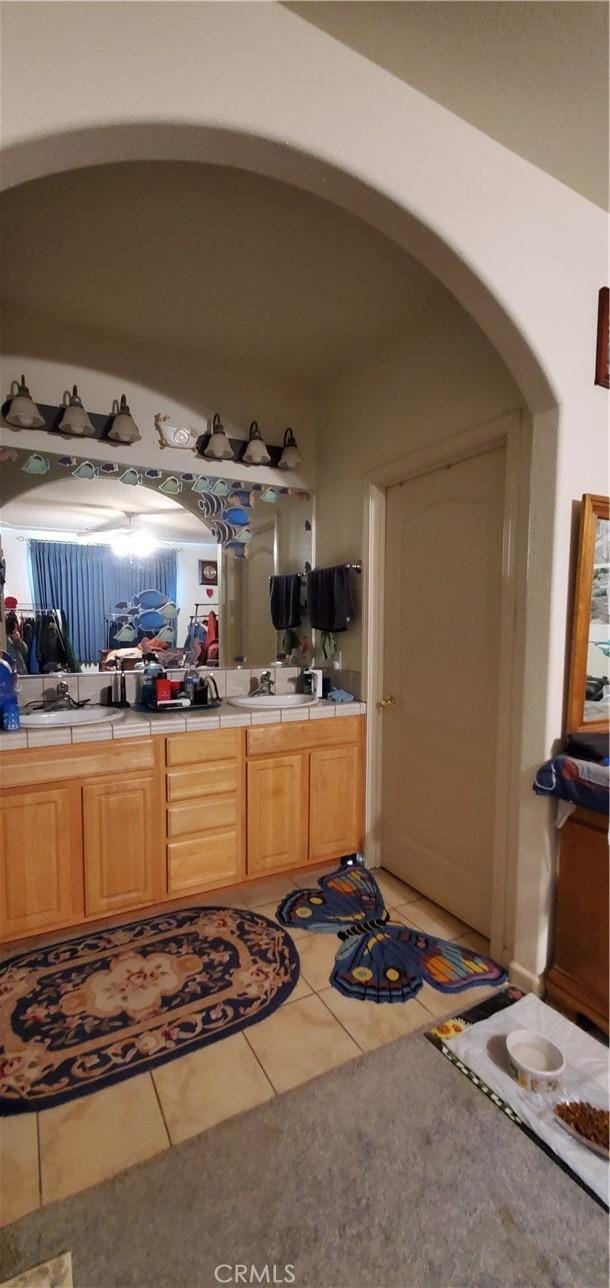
(95, 829)
(205, 796)
(306, 806)
(335, 801)
(41, 886)
(277, 813)
(122, 843)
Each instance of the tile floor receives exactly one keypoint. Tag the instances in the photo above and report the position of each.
(59, 1151)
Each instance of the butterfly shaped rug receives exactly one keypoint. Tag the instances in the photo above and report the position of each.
(381, 960)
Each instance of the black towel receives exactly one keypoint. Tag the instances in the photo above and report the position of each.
(331, 606)
(285, 596)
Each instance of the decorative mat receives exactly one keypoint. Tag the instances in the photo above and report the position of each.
(442, 1034)
(381, 960)
(88, 1012)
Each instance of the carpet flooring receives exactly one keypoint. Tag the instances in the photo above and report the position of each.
(392, 1170)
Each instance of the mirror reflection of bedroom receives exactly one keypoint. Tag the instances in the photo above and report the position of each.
(100, 573)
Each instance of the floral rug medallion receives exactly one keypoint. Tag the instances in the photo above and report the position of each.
(82, 1014)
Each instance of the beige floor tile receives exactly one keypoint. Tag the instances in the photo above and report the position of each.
(439, 1004)
(19, 1188)
(394, 891)
(88, 1140)
(432, 919)
(270, 910)
(476, 941)
(301, 989)
(310, 877)
(317, 953)
(56, 1273)
(214, 1083)
(371, 1024)
(233, 897)
(268, 890)
(299, 1041)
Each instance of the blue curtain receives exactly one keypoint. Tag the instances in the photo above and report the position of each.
(87, 581)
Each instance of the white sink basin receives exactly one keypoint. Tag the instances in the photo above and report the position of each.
(273, 701)
(78, 716)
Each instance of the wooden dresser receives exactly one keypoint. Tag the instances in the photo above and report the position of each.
(578, 980)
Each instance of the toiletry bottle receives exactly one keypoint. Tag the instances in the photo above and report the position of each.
(9, 704)
(152, 672)
(191, 683)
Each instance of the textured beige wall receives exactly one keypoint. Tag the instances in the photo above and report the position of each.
(532, 74)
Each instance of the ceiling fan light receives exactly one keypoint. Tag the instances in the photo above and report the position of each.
(23, 412)
(143, 544)
(124, 428)
(291, 457)
(256, 452)
(119, 544)
(75, 419)
(218, 447)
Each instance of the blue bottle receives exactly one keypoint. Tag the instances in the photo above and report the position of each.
(9, 705)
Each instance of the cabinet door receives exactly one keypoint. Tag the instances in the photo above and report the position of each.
(277, 813)
(40, 860)
(335, 802)
(123, 835)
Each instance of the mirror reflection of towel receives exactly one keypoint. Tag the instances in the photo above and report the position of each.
(285, 598)
(331, 604)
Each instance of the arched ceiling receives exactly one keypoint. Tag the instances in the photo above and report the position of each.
(204, 261)
(70, 505)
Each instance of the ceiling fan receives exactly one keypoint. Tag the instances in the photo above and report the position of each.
(128, 538)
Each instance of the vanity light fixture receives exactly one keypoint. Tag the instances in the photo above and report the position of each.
(23, 411)
(124, 428)
(75, 419)
(218, 447)
(291, 457)
(256, 452)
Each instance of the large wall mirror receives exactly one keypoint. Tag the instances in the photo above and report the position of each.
(126, 563)
(589, 687)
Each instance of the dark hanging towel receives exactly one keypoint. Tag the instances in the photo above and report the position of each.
(285, 597)
(331, 606)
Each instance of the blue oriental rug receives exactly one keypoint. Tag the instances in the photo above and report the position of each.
(380, 960)
(82, 1014)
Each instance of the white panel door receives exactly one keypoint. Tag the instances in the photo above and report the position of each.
(441, 664)
(260, 639)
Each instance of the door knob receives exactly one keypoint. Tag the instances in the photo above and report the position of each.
(386, 702)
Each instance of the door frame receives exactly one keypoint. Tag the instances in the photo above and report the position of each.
(509, 431)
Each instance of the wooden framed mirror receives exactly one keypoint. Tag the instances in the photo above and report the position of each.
(589, 683)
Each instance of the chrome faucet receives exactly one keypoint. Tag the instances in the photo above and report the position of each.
(63, 698)
(265, 686)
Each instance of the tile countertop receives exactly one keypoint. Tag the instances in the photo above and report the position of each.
(131, 724)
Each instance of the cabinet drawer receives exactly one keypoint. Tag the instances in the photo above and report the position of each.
(206, 780)
(301, 735)
(195, 748)
(87, 760)
(204, 816)
(203, 862)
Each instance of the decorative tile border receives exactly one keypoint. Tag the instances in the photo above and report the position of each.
(135, 725)
(223, 505)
